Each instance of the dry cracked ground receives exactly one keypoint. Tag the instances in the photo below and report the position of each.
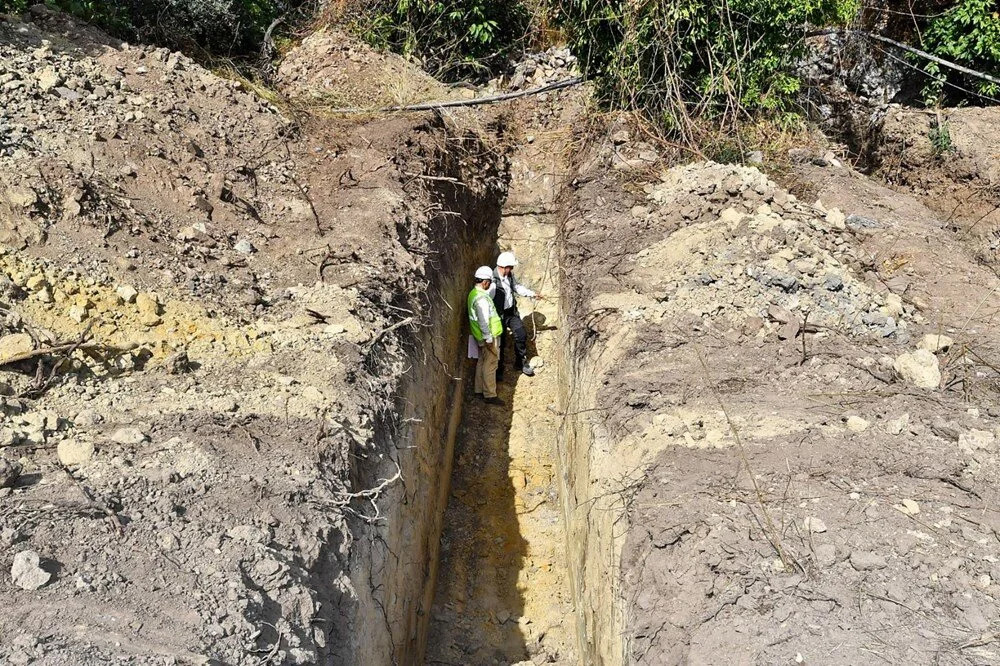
(235, 424)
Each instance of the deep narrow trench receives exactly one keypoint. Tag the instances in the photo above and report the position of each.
(502, 594)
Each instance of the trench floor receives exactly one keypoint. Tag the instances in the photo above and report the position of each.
(502, 593)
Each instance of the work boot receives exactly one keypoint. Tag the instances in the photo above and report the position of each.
(493, 401)
(528, 370)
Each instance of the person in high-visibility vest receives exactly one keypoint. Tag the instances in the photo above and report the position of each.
(486, 327)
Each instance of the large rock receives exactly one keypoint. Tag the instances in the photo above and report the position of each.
(919, 368)
(15, 344)
(26, 572)
(10, 471)
(75, 452)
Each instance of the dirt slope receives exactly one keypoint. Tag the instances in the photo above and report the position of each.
(185, 485)
(851, 519)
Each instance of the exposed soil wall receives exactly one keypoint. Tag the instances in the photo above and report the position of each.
(395, 565)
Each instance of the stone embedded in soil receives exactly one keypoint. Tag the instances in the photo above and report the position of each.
(128, 436)
(10, 472)
(919, 368)
(814, 525)
(126, 293)
(248, 534)
(15, 344)
(897, 425)
(75, 452)
(975, 440)
(26, 572)
(826, 554)
(863, 560)
(935, 342)
(909, 507)
(856, 424)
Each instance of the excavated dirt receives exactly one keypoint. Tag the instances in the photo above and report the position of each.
(235, 425)
(774, 499)
(248, 292)
(953, 170)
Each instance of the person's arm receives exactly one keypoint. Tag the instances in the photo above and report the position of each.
(483, 315)
(524, 291)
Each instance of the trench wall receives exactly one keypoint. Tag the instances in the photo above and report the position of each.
(593, 546)
(394, 562)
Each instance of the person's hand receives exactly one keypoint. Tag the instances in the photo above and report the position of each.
(540, 297)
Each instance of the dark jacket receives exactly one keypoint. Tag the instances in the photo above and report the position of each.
(498, 292)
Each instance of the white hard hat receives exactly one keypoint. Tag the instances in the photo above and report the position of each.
(506, 259)
(484, 273)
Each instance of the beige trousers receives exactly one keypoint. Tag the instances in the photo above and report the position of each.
(486, 370)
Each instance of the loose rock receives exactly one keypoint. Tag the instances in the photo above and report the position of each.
(919, 368)
(26, 572)
(75, 452)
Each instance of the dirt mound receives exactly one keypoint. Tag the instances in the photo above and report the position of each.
(948, 159)
(750, 254)
(330, 68)
(212, 357)
(775, 494)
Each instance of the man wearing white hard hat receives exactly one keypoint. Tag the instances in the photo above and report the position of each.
(485, 327)
(505, 290)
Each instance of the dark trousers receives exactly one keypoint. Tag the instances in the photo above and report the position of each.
(512, 324)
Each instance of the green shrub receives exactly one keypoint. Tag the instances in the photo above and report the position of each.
(208, 27)
(681, 61)
(968, 34)
(454, 39)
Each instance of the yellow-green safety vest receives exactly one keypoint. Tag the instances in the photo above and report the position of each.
(496, 326)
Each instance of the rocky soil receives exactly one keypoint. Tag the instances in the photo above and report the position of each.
(766, 427)
(198, 345)
(793, 493)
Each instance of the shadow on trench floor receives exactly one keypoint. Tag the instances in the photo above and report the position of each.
(502, 594)
(477, 601)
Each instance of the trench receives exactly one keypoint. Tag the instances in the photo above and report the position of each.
(474, 563)
(502, 594)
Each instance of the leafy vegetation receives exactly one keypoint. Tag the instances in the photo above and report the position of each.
(940, 136)
(453, 38)
(209, 27)
(682, 61)
(968, 34)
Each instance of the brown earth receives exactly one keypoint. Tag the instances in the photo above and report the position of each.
(240, 431)
(778, 499)
(195, 507)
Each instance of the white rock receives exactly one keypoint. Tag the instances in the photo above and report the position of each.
(26, 573)
(15, 344)
(894, 305)
(909, 507)
(77, 313)
(919, 368)
(814, 525)
(898, 425)
(127, 293)
(75, 452)
(975, 440)
(935, 342)
(836, 219)
(128, 436)
(856, 424)
(536, 362)
(334, 329)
